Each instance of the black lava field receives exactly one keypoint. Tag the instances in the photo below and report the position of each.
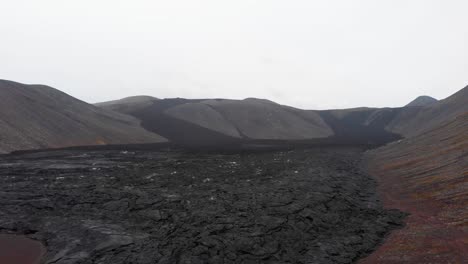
(171, 206)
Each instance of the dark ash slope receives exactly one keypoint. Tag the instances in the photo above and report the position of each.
(154, 118)
(360, 126)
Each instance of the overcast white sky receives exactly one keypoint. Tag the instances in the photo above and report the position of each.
(304, 53)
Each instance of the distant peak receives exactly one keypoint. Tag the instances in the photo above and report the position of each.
(139, 98)
(259, 100)
(422, 101)
(130, 100)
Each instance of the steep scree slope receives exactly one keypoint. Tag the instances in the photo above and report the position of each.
(427, 176)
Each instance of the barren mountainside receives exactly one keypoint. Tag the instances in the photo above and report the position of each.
(426, 176)
(412, 121)
(221, 120)
(37, 116)
(291, 188)
(408, 121)
(260, 119)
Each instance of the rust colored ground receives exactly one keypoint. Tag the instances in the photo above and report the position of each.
(20, 250)
(426, 176)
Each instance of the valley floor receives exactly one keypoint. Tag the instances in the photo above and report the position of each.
(300, 206)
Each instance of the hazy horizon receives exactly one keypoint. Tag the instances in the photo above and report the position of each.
(311, 55)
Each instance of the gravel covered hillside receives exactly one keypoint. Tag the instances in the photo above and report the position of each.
(189, 121)
(426, 176)
(37, 116)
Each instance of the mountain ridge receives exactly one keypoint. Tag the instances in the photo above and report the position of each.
(261, 119)
(39, 116)
(146, 119)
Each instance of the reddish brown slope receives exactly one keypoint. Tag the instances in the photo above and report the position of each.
(426, 176)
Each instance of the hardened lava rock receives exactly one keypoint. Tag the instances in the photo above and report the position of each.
(298, 206)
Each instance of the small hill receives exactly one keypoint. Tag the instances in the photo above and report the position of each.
(412, 121)
(38, 116)
(422, 101)
(206, 121)
(128, 104)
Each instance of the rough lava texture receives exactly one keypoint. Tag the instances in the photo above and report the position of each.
(37, 116)
(301, 206)
(426, 176)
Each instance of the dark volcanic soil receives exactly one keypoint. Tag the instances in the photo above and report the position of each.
(301, 206)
